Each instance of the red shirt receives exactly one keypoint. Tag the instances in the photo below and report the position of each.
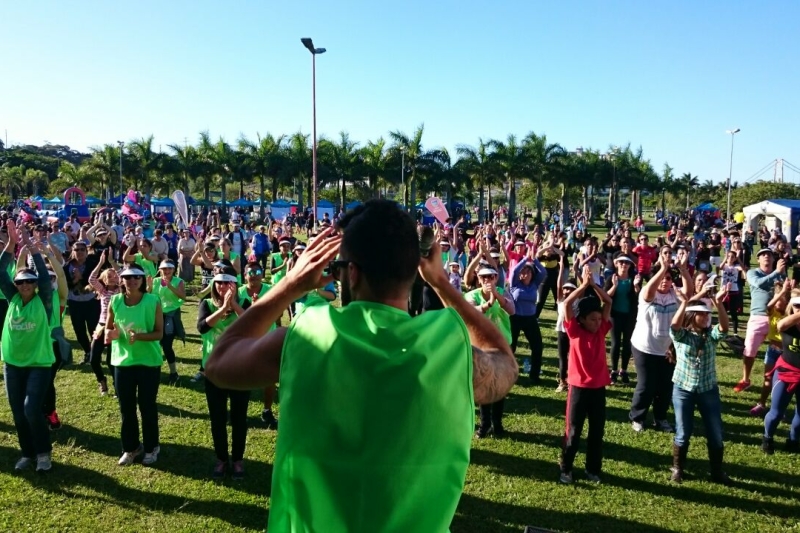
(587, 355)
(647, 256)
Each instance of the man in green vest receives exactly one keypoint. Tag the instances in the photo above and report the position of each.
(376, 406)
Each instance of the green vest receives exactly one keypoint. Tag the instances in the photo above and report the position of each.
(26, 334)
(277, 260)
(169, 301)
(243, 294)
(210, 337)
(142, 319)
(377, 420)
(495, 313)
(148, 266)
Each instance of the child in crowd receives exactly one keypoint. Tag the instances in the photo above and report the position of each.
(588, 375)
(695, 381)
(565, 288)
(455, 275)
(776, 309)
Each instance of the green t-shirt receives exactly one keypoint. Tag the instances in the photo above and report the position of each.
(169, 300)
(148, 266)
(377, 419)
(244, 295)
(26, 334)
(277, 260)
(495, 313)
(140, 318)
(210, 337)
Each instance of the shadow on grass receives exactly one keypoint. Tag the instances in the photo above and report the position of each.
(514, 466)
(476, 514)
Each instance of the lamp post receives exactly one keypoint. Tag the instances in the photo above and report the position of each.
(403, 173)
(314, 52)
(121, 145)
(730, 170)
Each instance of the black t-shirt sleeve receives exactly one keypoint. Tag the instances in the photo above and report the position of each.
(203, 312)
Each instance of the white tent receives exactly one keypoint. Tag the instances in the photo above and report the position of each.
(775, 214)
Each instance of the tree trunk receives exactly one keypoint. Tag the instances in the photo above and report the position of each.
(512, 199)
(480, 201)
(539, 200)
(687, 198)
(343, 197)
(587, 212)
(261, 185)
(639, 204)
(564, 201)
(223, 209)
(413, 192)
(489, 206)
(611, 203)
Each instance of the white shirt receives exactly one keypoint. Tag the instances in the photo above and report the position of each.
(653, 323)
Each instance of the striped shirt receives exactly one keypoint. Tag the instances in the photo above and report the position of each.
(695, 367)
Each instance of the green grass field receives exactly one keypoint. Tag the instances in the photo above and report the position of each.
(512, 482)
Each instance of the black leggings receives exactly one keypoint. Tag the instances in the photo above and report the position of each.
(528, 325)
(217, 400)
(549, 285)
(98, 346)
(166, 345)
(734, 306)
(84, 317)
(621, 339)
(563, 355)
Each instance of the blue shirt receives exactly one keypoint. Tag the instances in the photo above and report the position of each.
(526, 296)
(761, 288)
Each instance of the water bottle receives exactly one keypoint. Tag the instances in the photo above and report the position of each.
(526, 366)
(426, 237)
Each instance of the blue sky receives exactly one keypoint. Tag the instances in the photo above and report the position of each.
(669, 76)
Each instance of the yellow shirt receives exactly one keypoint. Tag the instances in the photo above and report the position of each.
(774, 336)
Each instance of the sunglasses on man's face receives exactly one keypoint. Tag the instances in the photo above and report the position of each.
(257, 272)
(335, 267)
(25, 282)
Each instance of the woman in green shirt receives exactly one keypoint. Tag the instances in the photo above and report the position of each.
(27, 349)
(143, 258)
(134, 325)
(213, 317)
(172, 292)
(491, 300)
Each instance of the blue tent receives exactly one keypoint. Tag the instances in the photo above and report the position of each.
(708, 206)
(91, 200)
(352, 205)
(54, 200)
(162, 202)
(241, 202)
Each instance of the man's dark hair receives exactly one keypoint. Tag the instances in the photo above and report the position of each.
(382, 241)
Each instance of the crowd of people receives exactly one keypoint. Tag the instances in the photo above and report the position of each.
(466, 302)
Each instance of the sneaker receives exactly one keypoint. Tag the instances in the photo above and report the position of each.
(53, 421)
(565, 478)
(269, 419)
(614, 377)
(152, 457)
(758, 411)
(23, 463)
(624, 377)
(663, 425)
(219, 469)
(594, 478)
(562, 386)
(638, 427)
(197, 378)
(43, 463)
(173, 378)
(482, 433)
(741, 386)
(128, 457)
(767, 445)
(238, 471)
(103, 385)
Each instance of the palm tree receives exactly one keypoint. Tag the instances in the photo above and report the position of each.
(146, 163)
(414, 156)
(481, 167)
(186, 165)
(297, 165)
(102, 166)
(688, 182)
(513, 164)
(264, 157)
(36, 179)
(345, 164)
(544, 165)
(84, 176)
(12, 179)
(373, 157)
(667, 185)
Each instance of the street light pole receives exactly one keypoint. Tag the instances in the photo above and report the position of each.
(403, 173)
(314, 52)
(121, 145)
(730, 170)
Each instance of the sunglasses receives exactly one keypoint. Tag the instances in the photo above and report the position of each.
(258, 272)
(335, 266)
(132, 277)
(25, 282)
(490, 276)
(79, 249)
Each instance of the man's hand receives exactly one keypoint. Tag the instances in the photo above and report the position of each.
(431, 268)
(307, 274)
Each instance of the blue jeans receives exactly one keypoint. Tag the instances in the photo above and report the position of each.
(780, 401)
(26, 388)
(710, 407)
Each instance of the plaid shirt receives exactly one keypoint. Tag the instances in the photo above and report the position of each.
(695, 368)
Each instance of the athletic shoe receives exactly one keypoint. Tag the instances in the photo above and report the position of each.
(43, 463)
(198, 377)
(152, 457)
(103, 385)
(23, 463)
(663, 425)
(638, 427)
(128, 457)
(767, 445)
(482, 433)
(173, 378)
(594, 478)
(562, 386)
(758, 411)
(219, 469)
(741, 386)
(614, 377)
(238, 471)
(624, 377)
(53, 421)
(565, 478)
(269, 419)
